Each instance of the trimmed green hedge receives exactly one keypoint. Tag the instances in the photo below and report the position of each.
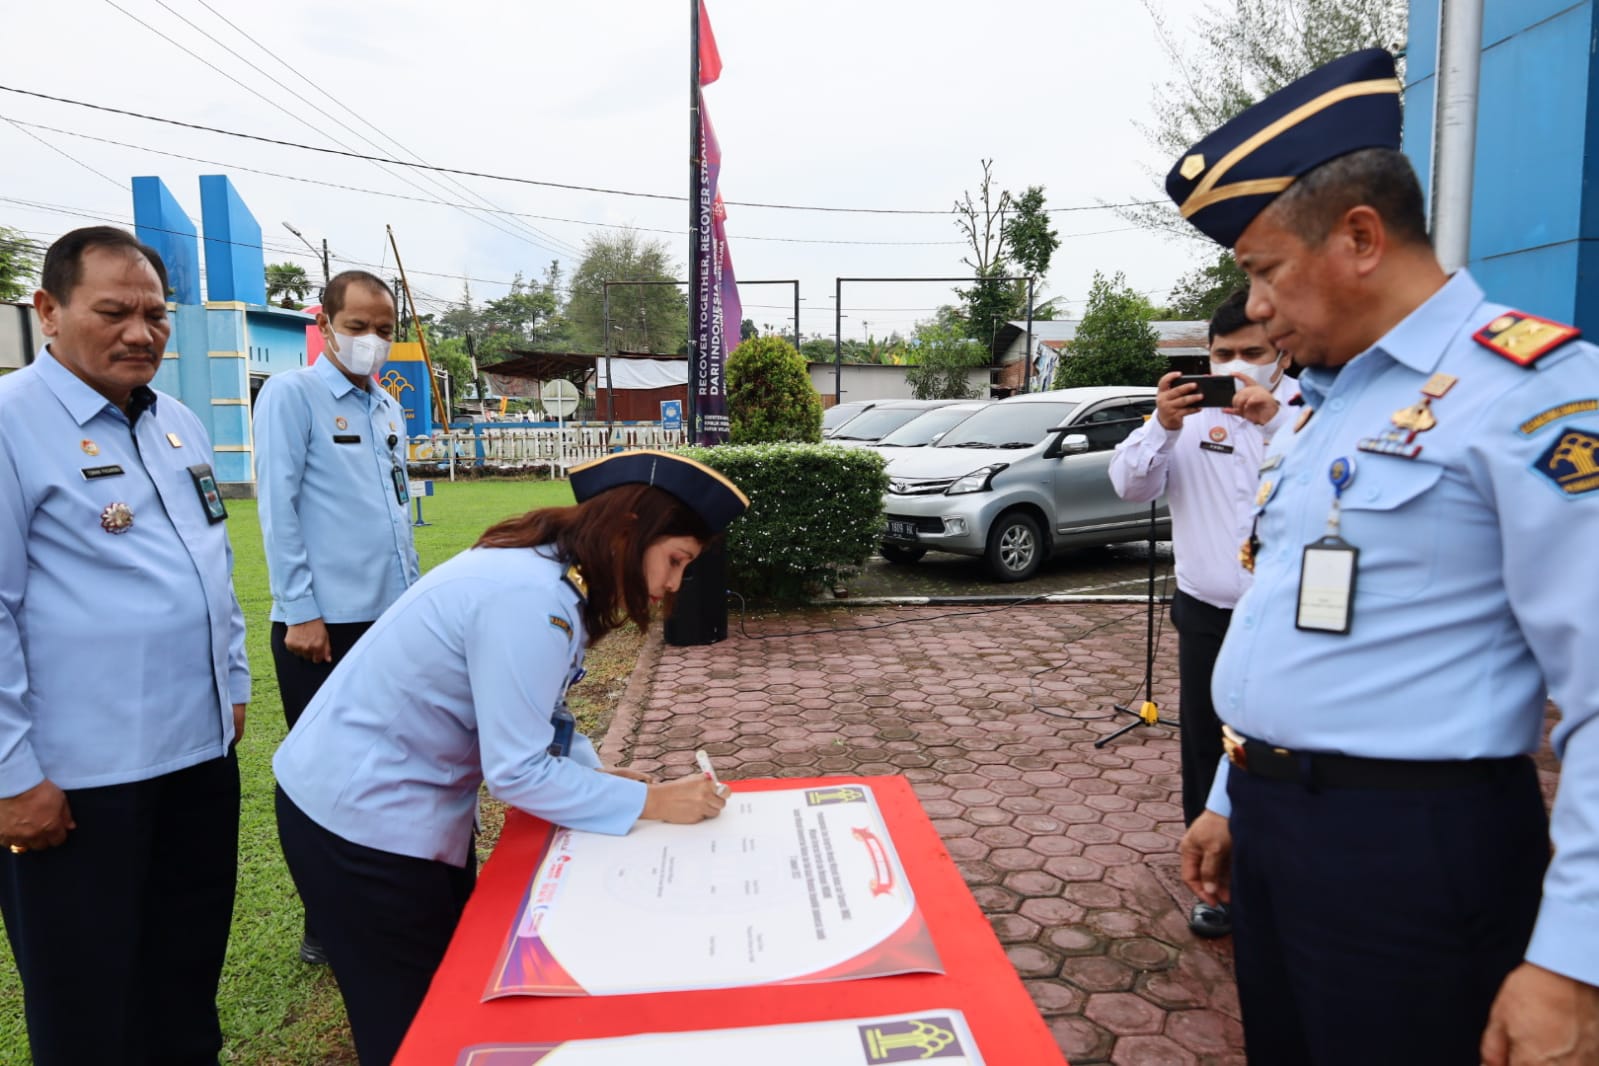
(816, 515)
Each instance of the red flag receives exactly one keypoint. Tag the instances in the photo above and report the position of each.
(710, 58)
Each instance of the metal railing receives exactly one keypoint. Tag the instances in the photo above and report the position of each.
(488, 448)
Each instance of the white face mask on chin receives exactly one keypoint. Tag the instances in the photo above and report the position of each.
(362, 356)
(1266, 375)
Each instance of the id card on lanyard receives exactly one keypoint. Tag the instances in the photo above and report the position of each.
(1328, 567)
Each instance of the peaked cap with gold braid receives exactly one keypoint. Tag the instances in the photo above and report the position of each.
(1224, 181)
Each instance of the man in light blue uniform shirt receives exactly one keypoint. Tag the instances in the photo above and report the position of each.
(330, 471)
(1422, 584)
(123, 678)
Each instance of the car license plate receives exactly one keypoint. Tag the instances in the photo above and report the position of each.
(907, 530)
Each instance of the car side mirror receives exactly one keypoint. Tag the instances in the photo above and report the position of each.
(1073, 444)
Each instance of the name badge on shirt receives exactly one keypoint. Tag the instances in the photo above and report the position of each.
(1212, 446)
(346, 438)
(1327, 585)
(402, 487)
(95, 473)
(205, 485)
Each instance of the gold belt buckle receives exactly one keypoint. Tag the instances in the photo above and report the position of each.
(1233, 744)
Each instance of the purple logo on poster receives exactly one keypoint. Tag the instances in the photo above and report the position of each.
(911, 1041)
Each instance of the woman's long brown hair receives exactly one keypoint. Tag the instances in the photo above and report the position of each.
(605, 537)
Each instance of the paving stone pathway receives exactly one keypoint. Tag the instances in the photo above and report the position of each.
(1070, 850)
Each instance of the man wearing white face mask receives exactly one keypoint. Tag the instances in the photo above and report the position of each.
(1207, 460)
(330, 472)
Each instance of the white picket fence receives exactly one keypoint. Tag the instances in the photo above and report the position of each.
(556, 450)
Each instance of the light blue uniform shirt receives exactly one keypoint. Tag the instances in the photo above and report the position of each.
(338, 539)
(1475, 597)
(453, 686)
(121, 654)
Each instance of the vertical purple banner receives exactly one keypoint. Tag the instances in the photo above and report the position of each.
(716, 293)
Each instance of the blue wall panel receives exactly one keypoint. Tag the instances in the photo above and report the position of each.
(1502, 20)
(194, 371)
(226, 330)
(1535, 202)
(1538, 280)
(1531, 125)
(277, 341)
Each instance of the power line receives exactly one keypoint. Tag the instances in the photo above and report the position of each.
(379, 161)
(340, 103)
(64, 152)
(344, 125)
(446, 203)
(568, 290)
(525, 181)
(517, 214)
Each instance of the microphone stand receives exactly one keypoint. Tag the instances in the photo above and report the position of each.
(1147, 713)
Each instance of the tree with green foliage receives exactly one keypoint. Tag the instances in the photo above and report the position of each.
(940, 358)
(1198, 293)
(1115, 344)
(289, 281)
(644, 318)
(769, 394)
(19, 265)
(1237, 53)
(1006, 235)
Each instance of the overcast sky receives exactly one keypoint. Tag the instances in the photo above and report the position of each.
(836, 103)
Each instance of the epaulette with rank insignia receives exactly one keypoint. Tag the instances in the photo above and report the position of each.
(574, 577)
(1524, 338)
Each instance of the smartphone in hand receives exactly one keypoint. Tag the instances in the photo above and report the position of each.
(1215, 390)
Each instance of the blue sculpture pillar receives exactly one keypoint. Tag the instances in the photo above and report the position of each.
(160, 222)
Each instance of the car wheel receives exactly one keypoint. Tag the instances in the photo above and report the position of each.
(901, 556)
(1015, 547)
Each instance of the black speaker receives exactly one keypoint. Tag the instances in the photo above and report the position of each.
(700, 614)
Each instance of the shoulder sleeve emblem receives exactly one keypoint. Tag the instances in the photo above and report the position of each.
(1571, 463)
(1524, 338)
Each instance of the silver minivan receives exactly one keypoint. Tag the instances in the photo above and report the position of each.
(1020, 478)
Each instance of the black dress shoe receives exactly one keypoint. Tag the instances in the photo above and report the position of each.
(311, 952)
(1210, 921)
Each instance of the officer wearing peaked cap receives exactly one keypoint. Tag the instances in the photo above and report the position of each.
(1421, 548)
(463, 681)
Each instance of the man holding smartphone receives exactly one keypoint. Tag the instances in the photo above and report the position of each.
(1205, 456)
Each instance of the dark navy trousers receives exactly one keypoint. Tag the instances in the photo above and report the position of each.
(385, 921)
(1201, 627)
(1375, 925)
(119, 934)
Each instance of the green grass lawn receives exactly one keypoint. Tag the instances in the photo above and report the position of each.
(276, 1010)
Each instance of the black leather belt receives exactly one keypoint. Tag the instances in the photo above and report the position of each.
(1317, 769)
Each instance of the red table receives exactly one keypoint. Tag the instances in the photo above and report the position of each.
(979, 981)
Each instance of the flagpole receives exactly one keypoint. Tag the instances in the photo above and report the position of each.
(695, 167)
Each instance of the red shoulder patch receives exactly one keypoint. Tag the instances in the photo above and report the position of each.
(1524, 338)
